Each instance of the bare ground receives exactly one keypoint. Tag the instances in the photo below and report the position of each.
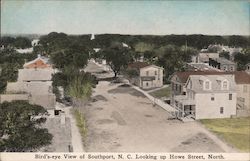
(126, 121)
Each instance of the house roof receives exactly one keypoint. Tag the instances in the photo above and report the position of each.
(42, 58)
(223, 61)
(197, 81)
(241, 77)
(138, 65)
(183, 76)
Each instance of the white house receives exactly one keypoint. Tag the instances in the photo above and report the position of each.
(208, 97)
(149, 76)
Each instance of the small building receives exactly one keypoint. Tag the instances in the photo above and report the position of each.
(25, 51)
(222, 64)
(149, 76)
(39, 62)
(204, 57)
(200, 67)
(207, 97)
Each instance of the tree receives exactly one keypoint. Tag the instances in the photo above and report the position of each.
(117, 57)
(224, 54)
(242, 59)
(20, 127)
(171, 58)
(75, 57)
(22, 42)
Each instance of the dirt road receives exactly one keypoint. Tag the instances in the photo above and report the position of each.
(121, 119)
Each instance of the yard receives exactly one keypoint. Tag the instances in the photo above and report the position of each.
(234, 131)
(164, 92)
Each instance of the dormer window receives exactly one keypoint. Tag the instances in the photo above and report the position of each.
(207, 85)
(224, 85)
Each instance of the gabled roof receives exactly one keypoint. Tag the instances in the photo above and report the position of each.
(42, 58)
(138, 65)
(183, 76)
(241, 77)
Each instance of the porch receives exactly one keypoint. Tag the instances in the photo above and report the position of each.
(185, 107)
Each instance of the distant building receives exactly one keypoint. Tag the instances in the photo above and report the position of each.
(34, 85)
(149, 76)
(35, 42)
(222, 64)
(200, 67)
(25, 51)
(204, 57)
(92, 37)
(39, 62)
(207, 97)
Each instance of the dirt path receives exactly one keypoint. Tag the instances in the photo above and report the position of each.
(122, 120)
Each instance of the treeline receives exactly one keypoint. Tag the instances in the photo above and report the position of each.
(18, 42)
(196, 41)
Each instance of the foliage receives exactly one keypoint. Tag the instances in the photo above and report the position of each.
(173, 58)
(10, 62)
(164, 92)
(117, 57)
(80, 89)
(234, 131)
(131, 73)
(19, 42)
(224, 54)
(20, 128)
(242, 59)
(143, 47)
(81, 123)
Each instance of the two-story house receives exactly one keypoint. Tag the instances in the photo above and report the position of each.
(207, 97)
(149, 76)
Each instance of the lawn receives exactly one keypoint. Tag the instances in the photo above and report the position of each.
(164, 92)
(235, 131)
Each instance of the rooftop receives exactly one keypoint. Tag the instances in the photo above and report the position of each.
(223, 61)
(241, 77)
(138, 65)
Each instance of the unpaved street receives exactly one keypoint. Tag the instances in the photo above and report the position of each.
(121, 119)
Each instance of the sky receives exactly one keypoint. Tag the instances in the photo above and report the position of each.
(126, 17)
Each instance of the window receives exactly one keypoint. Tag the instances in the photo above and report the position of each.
(221, 110)
(147, 73)
(207, 85)
(230, 96)
(224, 85)
(224, 68)
(147, 84)
(245, 88)
(212, 98)
(155, 72)
(190, 84)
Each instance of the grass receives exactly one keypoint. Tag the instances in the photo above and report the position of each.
(164, 92)
(235, 131)
(81, 123)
